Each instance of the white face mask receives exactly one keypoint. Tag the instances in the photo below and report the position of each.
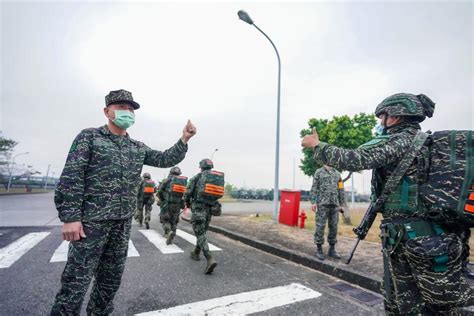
(379, 129)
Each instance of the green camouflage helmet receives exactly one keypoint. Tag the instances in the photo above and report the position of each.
(407, 104)
(206, 164)
(146, 175)
(175, 171)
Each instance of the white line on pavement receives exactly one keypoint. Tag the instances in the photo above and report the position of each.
(15, 250)
(132, 251)
(160, 242)
(60, 254)
(243, 303)
(192, 239)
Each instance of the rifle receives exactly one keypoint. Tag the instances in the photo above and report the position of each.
(363, 228)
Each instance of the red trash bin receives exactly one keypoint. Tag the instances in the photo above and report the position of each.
(289, 207)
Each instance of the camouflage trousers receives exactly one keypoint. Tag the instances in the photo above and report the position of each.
(330, 214)
(169, 217)
(417, 287)
(102, 255)
(200, 219)
(146, 203)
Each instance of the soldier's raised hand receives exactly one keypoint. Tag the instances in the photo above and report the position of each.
(311, 141)
(188, 131)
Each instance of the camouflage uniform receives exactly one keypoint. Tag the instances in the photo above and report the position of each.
(144, 200)
(169, 213)
(99, 187)
(411, 286)
(326, 194)
(200, 219)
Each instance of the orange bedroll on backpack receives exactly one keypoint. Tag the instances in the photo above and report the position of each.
(149, 190)
(178, 188)
(214, 189)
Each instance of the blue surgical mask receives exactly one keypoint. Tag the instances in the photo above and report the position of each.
(379, 129)
(124, 118)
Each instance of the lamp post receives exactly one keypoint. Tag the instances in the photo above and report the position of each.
(212, 155)
(246, 18)
(11, 170)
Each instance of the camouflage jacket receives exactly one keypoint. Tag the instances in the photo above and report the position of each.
(190, 195)
(325, 190)
(381, 154)
(101, 178)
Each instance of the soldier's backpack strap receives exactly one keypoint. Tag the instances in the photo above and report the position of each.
(401, 168)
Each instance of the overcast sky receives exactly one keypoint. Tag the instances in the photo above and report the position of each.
(199, 61)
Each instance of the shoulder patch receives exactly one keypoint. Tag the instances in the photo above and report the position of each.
(376, 141)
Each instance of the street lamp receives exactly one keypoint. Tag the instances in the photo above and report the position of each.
(212, 155)
(11, 170)
(246, 18)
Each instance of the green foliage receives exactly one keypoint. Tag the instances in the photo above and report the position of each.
(341, 131)
(6, 145)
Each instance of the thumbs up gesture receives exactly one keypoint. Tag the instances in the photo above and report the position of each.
(311, 141)
(189, 131)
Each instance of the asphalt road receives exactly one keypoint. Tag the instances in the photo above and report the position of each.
(155, 280)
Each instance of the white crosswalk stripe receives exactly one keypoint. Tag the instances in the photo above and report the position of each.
(243, 303)
(60, 254)
(15, 250)
(192, 239)
(160, 242)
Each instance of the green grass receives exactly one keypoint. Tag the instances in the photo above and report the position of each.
(21, 190)
(346, 230)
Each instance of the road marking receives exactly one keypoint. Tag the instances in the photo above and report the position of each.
(15, 250)
(60, 254)
(160, 242)
(192, 239)
(243, 303)
(132, 251)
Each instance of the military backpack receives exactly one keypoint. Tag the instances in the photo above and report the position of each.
(176, 188)
(448, 192)
(210, 186)
(149, 187)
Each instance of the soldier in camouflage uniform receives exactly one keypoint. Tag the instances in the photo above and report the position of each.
(328, 198)
(200, 218)
(169, 214)
(413, 286)
(145, 200)
(96, 197)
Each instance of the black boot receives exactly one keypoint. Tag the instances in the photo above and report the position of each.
(170, 237)
(319, 252)
(147, 225)
(332, 252)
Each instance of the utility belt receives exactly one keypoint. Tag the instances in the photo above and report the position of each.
(402, 230)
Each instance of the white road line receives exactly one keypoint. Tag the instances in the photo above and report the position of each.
(60, 254)
(132, 251)
(160, 242)
(192, 239)
(15, 250)
(243, 303)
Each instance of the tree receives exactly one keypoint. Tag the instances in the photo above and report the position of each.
(6, 149)
(342, 131)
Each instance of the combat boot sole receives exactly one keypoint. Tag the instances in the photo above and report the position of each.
(210, 268)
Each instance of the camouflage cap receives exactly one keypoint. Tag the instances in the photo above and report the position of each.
(175, 170)
(119, 96)
(206, 164)
(407, 104)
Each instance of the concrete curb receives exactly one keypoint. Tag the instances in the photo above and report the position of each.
(304, 259)
(25, 193)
